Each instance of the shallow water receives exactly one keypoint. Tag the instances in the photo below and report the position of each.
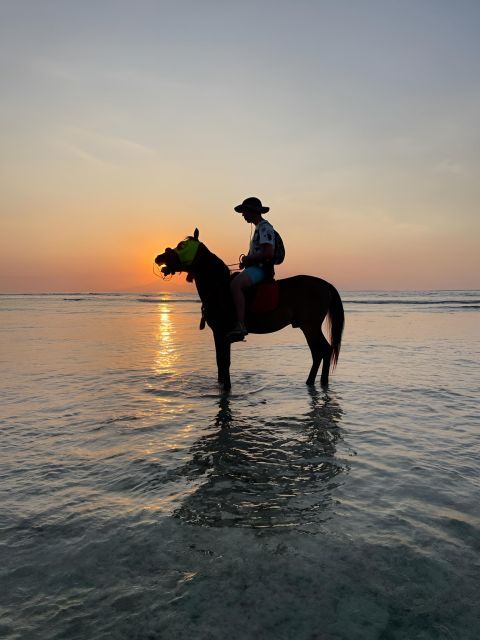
(138, 502)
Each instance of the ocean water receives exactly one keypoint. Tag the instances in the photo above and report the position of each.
(137, 502)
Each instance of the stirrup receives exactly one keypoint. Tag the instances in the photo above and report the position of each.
(237, 335)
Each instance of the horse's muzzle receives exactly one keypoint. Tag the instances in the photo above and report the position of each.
(169, 262)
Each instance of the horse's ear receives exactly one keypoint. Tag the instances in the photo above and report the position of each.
(196, 233)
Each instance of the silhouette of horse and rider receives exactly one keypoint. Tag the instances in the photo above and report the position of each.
(302, 301)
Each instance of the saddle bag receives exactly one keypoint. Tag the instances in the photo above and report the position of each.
(265, 297)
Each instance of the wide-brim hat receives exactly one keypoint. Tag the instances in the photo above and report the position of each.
(252, 204)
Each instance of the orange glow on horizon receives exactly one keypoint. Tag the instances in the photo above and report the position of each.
(115, 250)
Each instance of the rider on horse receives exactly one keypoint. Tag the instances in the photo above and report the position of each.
(303, 301)
(257, 265)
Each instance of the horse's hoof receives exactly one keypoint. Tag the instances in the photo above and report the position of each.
(324, 382)
(225, 386)
(311, 383)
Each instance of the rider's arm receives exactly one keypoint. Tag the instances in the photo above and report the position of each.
(266, 253)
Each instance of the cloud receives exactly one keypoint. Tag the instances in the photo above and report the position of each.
(450, 167)
(52, 69)
(86, 155)
(102, 150)
(120, 143)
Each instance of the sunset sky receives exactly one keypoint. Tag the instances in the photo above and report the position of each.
(124, 125)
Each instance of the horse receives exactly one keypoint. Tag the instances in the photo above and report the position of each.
(304, 302)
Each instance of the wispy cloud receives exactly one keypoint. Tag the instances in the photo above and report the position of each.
(450, 167)
(87, 156)
(103, 150)
(120, 143)
(51, 68)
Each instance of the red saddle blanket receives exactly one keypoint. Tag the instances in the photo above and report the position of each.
(264, 297)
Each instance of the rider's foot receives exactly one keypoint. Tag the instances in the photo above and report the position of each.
(238, 334)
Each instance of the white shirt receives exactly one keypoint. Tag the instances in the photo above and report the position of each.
(263, 234)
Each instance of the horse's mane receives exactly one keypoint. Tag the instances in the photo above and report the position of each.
(212, 279)
(211, 262)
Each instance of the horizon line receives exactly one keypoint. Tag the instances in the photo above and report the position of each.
(150, 293)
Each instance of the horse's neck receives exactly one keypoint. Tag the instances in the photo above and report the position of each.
(212, 276)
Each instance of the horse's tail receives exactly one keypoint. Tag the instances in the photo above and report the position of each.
(336, 317)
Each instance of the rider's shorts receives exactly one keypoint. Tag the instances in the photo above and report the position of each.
(256, 274)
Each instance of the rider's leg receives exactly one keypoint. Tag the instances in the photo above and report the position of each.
(238, 286)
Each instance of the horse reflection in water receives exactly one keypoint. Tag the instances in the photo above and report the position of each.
(266, 473)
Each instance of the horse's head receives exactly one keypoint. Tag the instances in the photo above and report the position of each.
(180, 258)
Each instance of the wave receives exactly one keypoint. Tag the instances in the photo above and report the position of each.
(460, 300)
(153, 299)
(470, 303)
(166, 300)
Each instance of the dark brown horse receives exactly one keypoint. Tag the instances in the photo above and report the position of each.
(304, 302)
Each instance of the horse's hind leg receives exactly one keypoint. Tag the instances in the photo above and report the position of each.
(315, 344)
(320, 349)
(327, 354)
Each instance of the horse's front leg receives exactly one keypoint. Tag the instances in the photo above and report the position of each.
(222, 351)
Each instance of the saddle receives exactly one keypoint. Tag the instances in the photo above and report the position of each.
(263, 297)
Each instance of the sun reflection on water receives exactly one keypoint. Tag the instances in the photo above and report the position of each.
(166, 355)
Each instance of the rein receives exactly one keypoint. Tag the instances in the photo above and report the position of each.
(161, 275)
